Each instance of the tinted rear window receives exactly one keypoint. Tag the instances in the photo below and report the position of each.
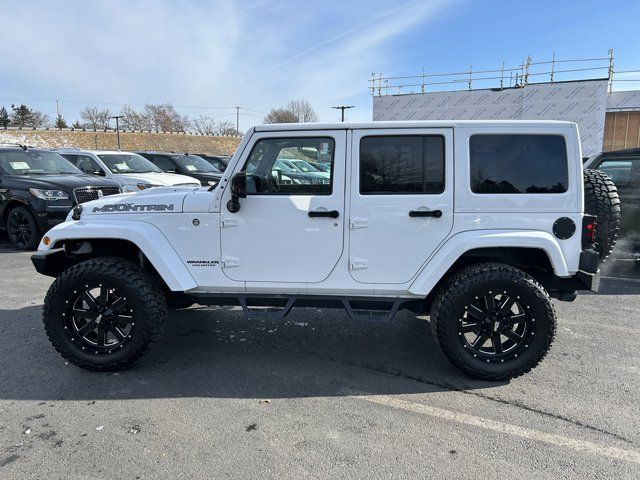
(403, 164)
(518, 164)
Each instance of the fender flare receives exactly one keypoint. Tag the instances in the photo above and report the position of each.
(147, 237)
(454, 247)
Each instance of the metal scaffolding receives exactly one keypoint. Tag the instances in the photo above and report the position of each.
(526, 72)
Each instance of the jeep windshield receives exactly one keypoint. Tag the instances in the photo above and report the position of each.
(193, 163)
(128, 163)
(35, 162)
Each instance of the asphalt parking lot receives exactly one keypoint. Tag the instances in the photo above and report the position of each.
(319, 396)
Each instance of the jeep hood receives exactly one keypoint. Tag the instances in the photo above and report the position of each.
(153, 200)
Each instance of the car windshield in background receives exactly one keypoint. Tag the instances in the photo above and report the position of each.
(128, 163)
(303, 166)
(20, 162)
(193, 163)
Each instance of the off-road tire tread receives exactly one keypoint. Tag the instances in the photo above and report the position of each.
(601, 199)
(462, 281)
(148, 288)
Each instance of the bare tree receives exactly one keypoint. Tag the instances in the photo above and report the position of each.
(303, 111)
(296, 111)
(164, 118)
(95, 117)
(204, 125)
(280, 115)
(208, 126)
(226, 128)
(132, 119)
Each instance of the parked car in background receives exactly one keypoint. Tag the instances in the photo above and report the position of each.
(218, 161)
(306, 167)
(321, 167)
(38, 188)
(132, 171)
(623, 167)
(285, 171)
(185, 164)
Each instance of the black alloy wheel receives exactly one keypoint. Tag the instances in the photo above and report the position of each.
(22, 229)
(98, 318)
(496, 327)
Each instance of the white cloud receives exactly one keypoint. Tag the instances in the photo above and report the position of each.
(256, 54)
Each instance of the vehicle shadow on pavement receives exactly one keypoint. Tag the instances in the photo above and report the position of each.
(216, 352)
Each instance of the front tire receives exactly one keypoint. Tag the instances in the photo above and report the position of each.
(104, 314)
(22, 229)
(493, 321)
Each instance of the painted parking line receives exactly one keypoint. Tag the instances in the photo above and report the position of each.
(501, 427)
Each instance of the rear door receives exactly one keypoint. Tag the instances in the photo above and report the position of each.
(402, 201)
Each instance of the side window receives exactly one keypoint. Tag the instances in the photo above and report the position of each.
(163, 163)
(402, 164)
(271, 167)
(515, 163)
(625, 173)
(87, 164)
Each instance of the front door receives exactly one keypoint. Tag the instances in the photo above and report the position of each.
(290, 227)
(401, 201)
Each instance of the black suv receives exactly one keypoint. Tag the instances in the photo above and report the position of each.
(186, 164)
(623, 166)
(38, 189)
(218, 161)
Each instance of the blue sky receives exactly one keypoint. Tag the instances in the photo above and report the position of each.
(262, 53)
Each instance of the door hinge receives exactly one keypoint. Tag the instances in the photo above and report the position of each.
(228, 222)
(228, 262)
(358, 222)
(357, 264)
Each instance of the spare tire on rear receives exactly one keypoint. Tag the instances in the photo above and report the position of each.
(601, 199)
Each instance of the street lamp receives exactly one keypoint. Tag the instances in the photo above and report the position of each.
(118, 117)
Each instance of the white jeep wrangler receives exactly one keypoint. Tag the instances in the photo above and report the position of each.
(478, 223)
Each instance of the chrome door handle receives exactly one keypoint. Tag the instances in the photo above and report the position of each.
(426, 213)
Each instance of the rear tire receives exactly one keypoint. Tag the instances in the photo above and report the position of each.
(104, 314)
(601, 199)
(499, 342)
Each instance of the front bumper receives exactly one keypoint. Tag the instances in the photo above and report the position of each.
(48, 215)
(50, 262)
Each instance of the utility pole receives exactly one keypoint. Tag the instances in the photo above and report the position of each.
(342, 108)
(118, 117)
(237, 120)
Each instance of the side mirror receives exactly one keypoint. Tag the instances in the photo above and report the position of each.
(238, 190)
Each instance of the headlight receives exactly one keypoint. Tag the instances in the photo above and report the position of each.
(49, 194)
(144, 186)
